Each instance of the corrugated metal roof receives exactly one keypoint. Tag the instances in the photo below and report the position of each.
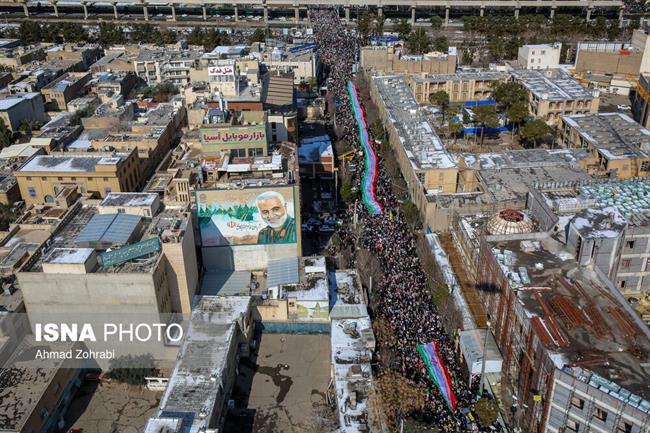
(283, 271)
(226, 283)
(112, 228)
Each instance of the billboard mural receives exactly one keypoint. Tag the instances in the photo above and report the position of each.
(233, 136)
(255, 216)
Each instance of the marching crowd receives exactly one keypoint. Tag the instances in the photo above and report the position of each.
(404, 302)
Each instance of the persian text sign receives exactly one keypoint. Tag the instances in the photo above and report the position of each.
(238, 135)
(221, 70)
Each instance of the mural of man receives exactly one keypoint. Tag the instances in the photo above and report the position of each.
(280, 226)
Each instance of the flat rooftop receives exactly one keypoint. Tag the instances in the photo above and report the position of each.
(169, 221)
(615, 135)
(417, 135)
(22, 385)
(202, 360)
(514, 183)
(524, 158)
(69, 163)
(461, 76)
(576, 317)
(129, 199)
(552, 85)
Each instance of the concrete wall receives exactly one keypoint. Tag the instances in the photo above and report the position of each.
(183, 270)
(614, 63)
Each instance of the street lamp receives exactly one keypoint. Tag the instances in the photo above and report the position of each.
(482, 385)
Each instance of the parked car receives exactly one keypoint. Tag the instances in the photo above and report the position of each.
(326, 229)
(624, 107)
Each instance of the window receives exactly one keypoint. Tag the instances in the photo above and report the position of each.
(32, 191)
(647, 265)
(629, 244)
(625, 263)
(59, 178)
(577, 402)
(621, 284)
(105, 179)
(29, 178)
(543, 52)
(273, 125)
(73, 179)
(571, 425)
(600, 414)
(624, 427)
(274, 138)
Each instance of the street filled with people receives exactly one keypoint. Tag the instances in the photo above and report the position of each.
(403, 299)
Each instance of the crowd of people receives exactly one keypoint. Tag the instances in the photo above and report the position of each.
(404, 301)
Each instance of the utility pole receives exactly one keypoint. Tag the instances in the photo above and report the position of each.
(482, 385)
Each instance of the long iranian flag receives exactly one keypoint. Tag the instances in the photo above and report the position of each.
(438, 372)
(369, 180)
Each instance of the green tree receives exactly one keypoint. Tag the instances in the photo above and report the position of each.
(533, 131)
(161, 92)
(411, 214)
(195, 37)
(436, 22)
(30, 32)
(110, 34)
(487, 117)
(508, 94)
(348, 192)
(440, 99)
(403, 29)
(6, 136)
(468, 58)
(419, 42)
(6, 217)
(377, 130)
(379, 25)
(517, 113)
(145, 34)
(167, 37)
(441, 44)
(455, 129)
(259, 35)
(73, 32)
(487, 412)
(364, 26)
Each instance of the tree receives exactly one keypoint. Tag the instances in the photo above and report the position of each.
(167, 37)
(419, 42)
(508, 94)
(403, 29)
(379, 25)
(6, 136)
(487, 117)
(30, 32)
(533, 131)
(455, 128)
(364, 26)
(348, 192)
(25, 127)
(436, 22)
(411, 213)
(110, 34)
(517, 113)
(73, 32)
(377, 130)
(441, 44)
(161, 92)
(468, 57)
(6, 217)
(441, 100)
(399, 396)
(487, 412)
(259, 35)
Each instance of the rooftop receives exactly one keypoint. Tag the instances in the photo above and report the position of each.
(422, 145)
(514, 183)
(301, 278)
(615, 135)
(575, 316)
(552, 84)
(22, 385)
(194, 385)
(460, 76)
(129, 199)
(70, 163)
(524, 158)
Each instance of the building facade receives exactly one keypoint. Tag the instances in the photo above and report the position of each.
(542, 56)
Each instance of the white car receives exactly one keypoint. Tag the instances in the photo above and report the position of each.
(624, 107)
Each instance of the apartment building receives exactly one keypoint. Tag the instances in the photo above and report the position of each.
(539, 56)
(15, 109)
(102, 264)
(64, 89)
(461, 87)
(553, 93)
(619, 146)
(392, 60)
(553, 322)
(43, 177)
(156, 65)
(427, 167)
